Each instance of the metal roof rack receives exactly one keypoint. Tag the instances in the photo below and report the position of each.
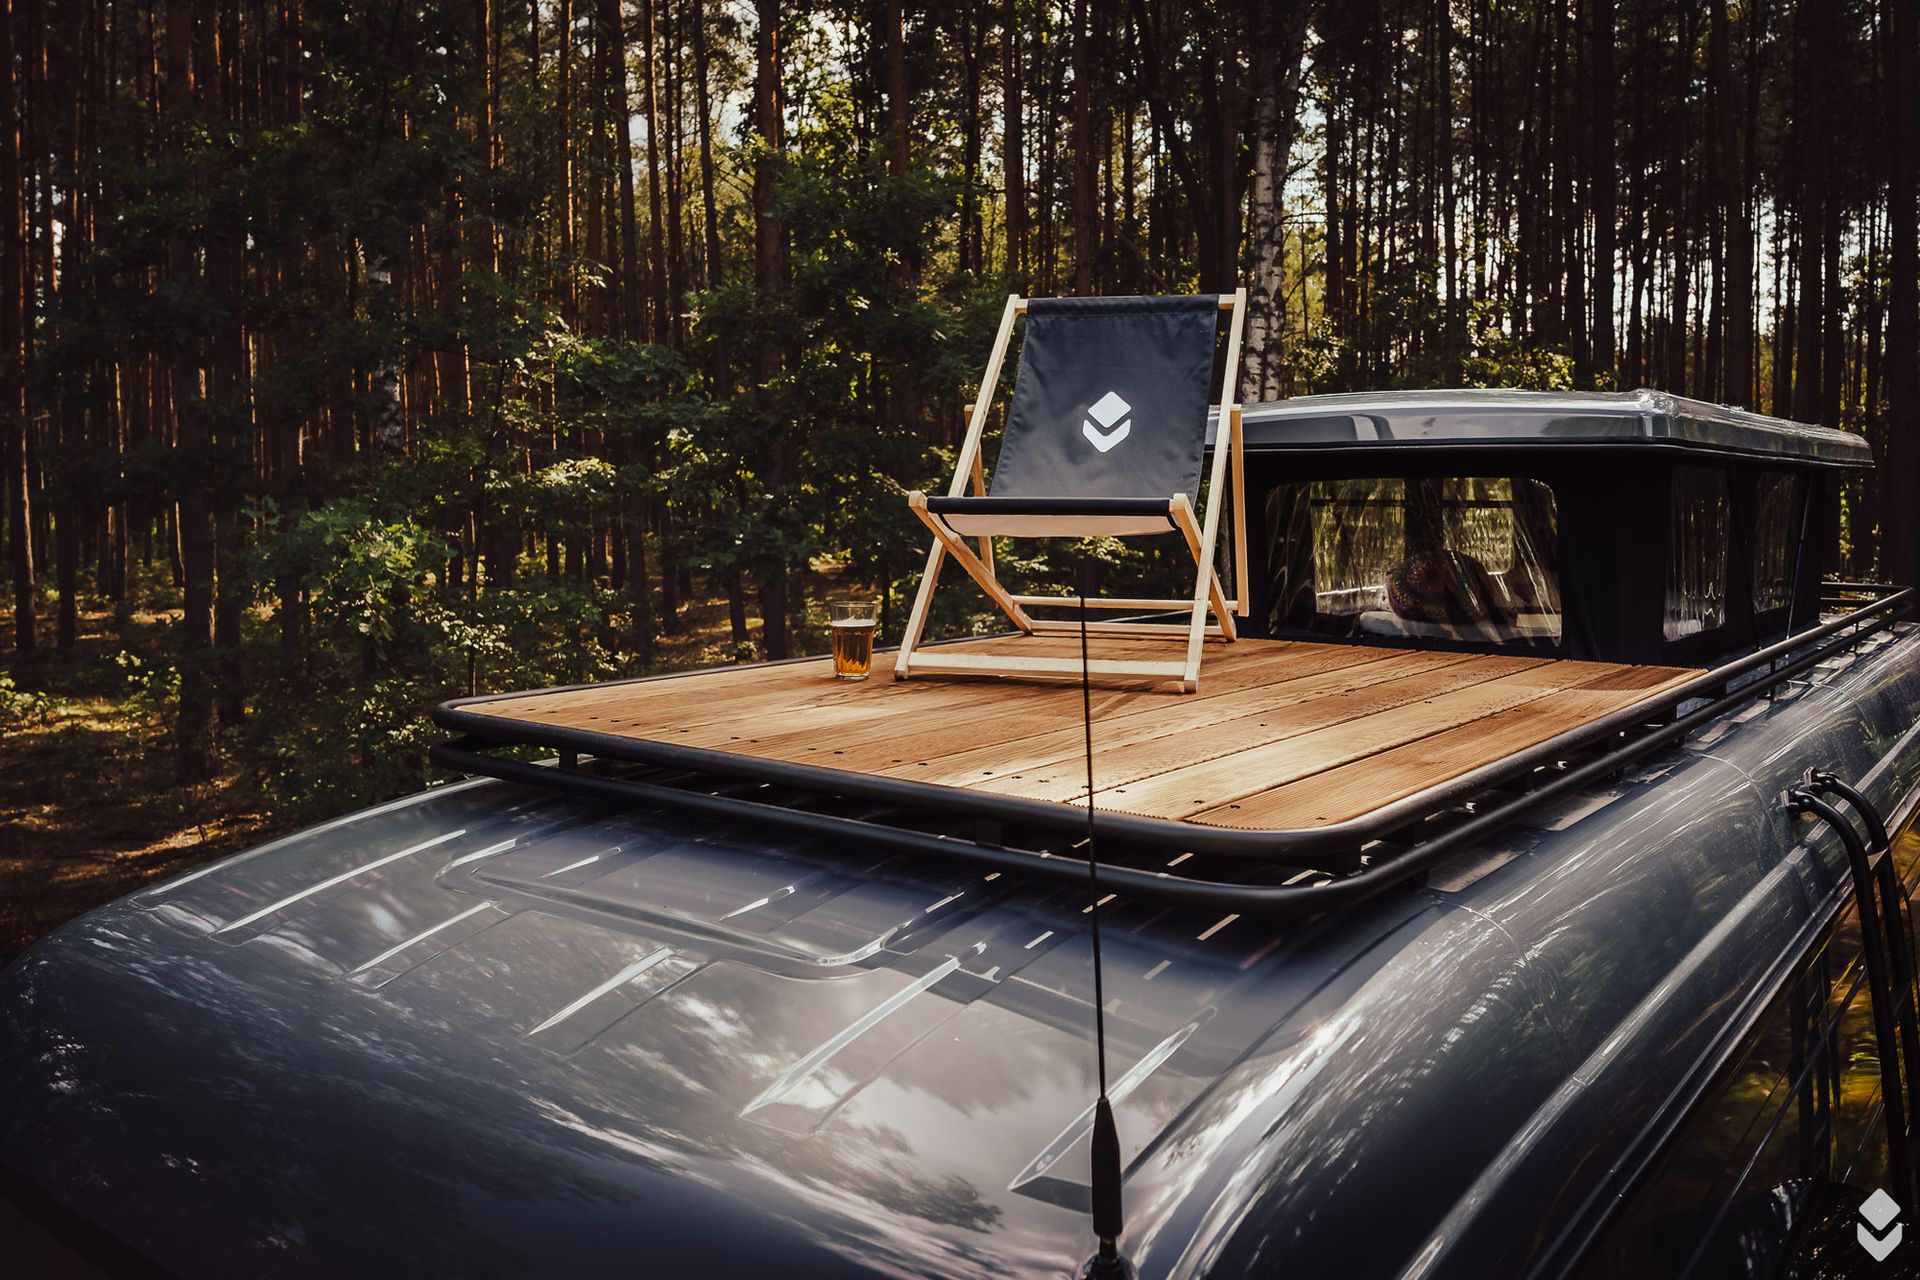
(1359, 858)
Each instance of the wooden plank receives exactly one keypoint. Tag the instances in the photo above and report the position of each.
(998, 729)
(1182, 792)
(1060, 750)
(671, 709)
(1179, 630)
(753, 681)
(1124, 769)
(743, 690)
(1226, 302)
(1234, 679)
(1351, 790)
(994, 664)
(1281, 733)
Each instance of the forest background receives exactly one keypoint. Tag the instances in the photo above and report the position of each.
(355, 354)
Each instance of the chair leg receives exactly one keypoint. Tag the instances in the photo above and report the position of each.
(1216, 594)
(1196, 645)
(945, 541)
(917, 616)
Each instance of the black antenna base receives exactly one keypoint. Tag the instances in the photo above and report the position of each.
(1108, 1264)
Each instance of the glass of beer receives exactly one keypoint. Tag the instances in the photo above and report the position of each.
(851, 623)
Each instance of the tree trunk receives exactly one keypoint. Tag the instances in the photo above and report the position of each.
(227, 372)
(736, 605)
(613, 31)
(1900, 478)
(970, 54)
(1013, 157)
(1735, 320)
(1085, 247)
(194, 511)
(676, 193)
(1277, 80)
(661, 328)
(1810, 146)
(13, 337)
(770, 277)
(1333, 294)
(570, 294)
(701, 59)
(1602, 198)
(893, 73)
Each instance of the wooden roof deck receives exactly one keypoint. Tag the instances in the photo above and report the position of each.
(1281, 734)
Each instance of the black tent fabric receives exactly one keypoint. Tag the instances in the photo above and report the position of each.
(1110, 400)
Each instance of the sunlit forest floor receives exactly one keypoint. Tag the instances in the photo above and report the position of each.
(91, 806)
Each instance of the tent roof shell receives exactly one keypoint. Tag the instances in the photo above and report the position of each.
(1481, 418)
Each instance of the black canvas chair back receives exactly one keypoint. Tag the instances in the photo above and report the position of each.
(1105, 436)
(1110, 400)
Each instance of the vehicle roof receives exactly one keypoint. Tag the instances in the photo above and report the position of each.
(534, 1025)
(1483, 417)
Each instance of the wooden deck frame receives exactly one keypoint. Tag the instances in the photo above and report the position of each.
(1503, 779)
(1284, 734)
(1201, 533)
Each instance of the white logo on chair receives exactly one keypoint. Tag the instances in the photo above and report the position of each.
(1107, 410)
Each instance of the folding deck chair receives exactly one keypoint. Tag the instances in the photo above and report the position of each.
(1106, 436)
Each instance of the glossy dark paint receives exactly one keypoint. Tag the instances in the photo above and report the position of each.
(1453, 1081)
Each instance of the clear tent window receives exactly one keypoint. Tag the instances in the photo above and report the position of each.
(1470, 559)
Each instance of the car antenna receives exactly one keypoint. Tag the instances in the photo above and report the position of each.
(1107, 1263)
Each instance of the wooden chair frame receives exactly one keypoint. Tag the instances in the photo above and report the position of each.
(1201, 532)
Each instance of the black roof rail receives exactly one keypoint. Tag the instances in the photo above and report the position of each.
(1363, 856)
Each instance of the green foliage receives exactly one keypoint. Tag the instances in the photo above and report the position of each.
(1498, 355)
(358, 571)
(21, 708)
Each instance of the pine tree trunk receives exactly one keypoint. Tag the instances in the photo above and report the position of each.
(1735, 270)
(1085, 247)
(661, 328)
(702, 57)
(13, 336)
(632, 323)
(1279, 46)
(227, 373)
(193, 511)
(676, 202)
(570, 293)
(1810, 148)
(770, 277)
(1333, 296)
(970, 50)
(1900, 477)
(893, 72)
(1013, 157)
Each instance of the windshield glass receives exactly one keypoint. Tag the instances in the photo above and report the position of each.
(1466, 558)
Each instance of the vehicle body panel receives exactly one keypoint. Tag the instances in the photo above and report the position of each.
(494, 1032)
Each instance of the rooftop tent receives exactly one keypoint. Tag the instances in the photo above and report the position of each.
(1106, 436)
(1619, 527)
